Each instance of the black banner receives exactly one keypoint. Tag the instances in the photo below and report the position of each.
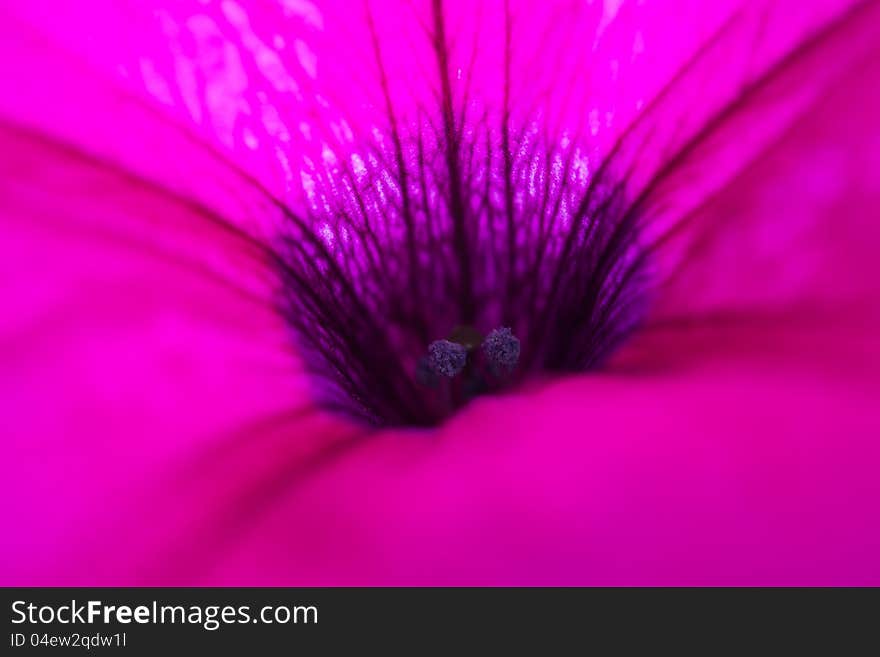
(540, 621)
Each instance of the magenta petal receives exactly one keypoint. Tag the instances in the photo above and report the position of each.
(735, 444)
(141, 338)
(158, 428)
(717, 477)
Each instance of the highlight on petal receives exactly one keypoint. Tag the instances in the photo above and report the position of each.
(230, 227)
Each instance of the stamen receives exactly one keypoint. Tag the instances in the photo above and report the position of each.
(501, 348)
(446, 358)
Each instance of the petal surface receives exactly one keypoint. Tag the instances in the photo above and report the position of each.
(154, 408)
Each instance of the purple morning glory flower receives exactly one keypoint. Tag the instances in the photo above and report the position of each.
(231, 232)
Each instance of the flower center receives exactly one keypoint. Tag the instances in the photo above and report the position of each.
(433, 268)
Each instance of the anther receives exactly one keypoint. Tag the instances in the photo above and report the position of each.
(501, 348)
(446, 358)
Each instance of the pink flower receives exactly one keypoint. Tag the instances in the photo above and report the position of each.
(169, 404)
